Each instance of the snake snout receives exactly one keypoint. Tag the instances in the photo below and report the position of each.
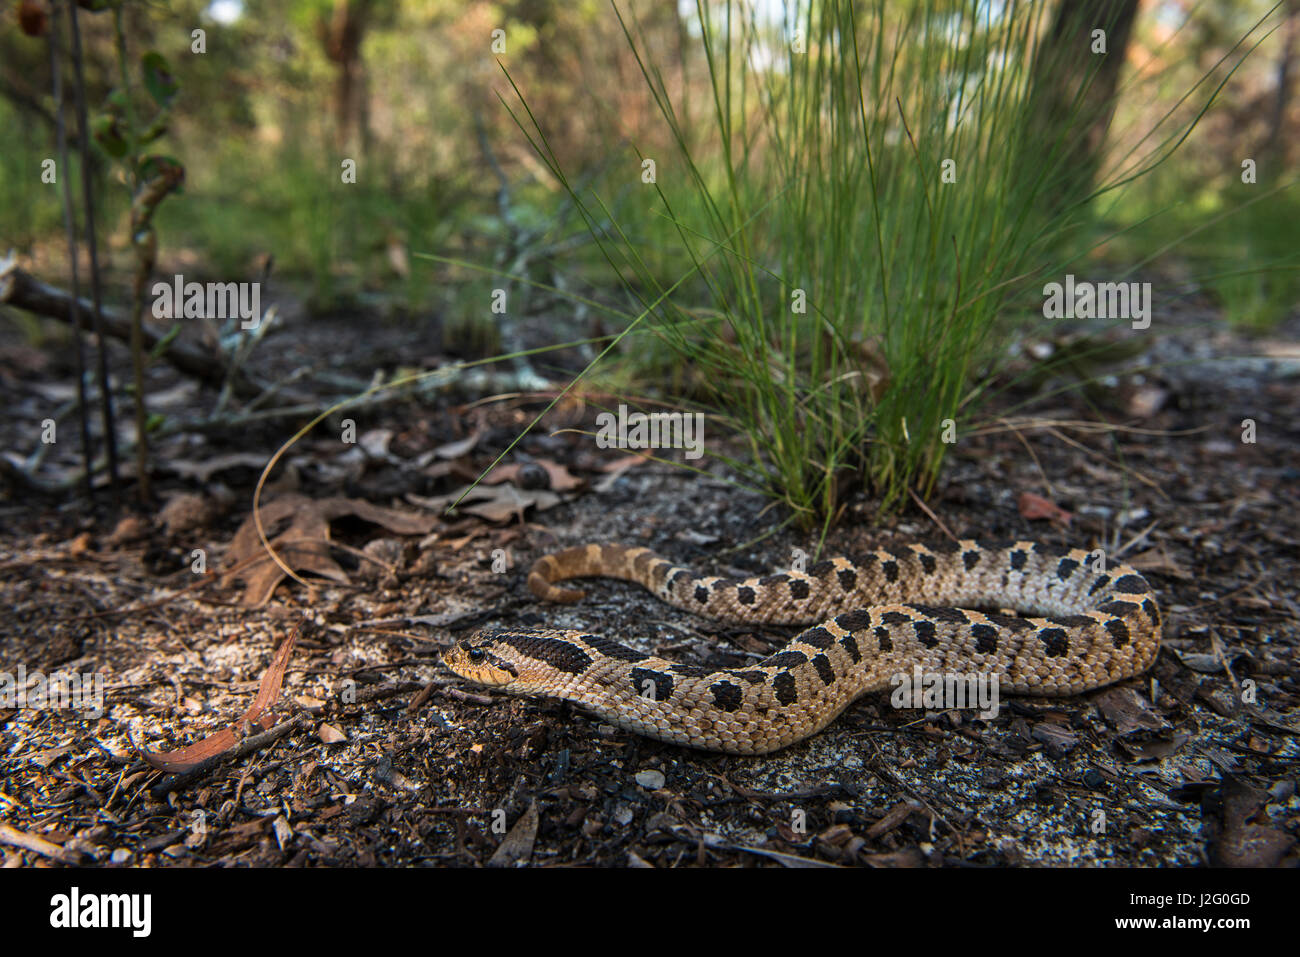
(474, 660)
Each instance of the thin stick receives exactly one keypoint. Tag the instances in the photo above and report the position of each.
(96, 293)
(70, 228)
(933, 517)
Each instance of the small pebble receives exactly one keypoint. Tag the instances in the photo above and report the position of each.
(650, 780)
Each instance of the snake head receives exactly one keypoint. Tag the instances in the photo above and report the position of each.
(477, 659)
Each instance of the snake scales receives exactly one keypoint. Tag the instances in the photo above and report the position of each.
(1093, 628)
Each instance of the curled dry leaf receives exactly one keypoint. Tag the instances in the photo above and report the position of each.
(190, 757)
(1036, 507)
(496, 503)
(305, 545)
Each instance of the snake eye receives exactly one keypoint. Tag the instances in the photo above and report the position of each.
(477, 655)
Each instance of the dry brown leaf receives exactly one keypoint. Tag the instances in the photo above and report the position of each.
(1128, 711)
(203, 471)
(496, 503)
(1158, 560)
(459, 448)
(1035, 507)
(305, 545)
(191, 756)
(1240, 836)
(615, 468)
(517, 845)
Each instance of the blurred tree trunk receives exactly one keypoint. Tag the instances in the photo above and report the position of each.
(342, 37)
(1072, 99)
(1275, 146)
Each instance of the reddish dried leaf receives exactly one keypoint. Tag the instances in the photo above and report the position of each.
(189, 757)
(1036, 507)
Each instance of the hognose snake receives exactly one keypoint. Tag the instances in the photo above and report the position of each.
(873, 616)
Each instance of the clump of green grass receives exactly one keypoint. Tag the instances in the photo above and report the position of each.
(877, 186)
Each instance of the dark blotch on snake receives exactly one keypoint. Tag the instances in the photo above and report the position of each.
(560, 655)
(613, 649)
(1055, 642)
(970, 559)
(1131, 585)
(701, 594)
(785, 659)
(942, 613)
(1119, 633)
(926, 633)
(854, 620)
(753, 677)
(798, 588)
(1018, 559)
(850, 645)
(726, 696)
(927, 562)
(1099, 584)
(848, 578)
(818, 637)
(783, 686)
(824, 669)
(890, 568)
(1120, 609)
(883, 640)
(654, 685)
(986, 638)
(1066, 568)
(895, 618)
(1072, 621)
(746, 595)
(821, 568)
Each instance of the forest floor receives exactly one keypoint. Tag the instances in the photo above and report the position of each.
(376, 754)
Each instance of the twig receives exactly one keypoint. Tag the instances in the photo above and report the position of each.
(933, 517)
(38, 845)
(69, 227)
(19, 288)
(246, 747)
(92, 243)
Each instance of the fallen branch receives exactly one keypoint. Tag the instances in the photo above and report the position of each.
(21, 289)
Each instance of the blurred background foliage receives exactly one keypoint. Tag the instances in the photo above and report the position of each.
(288, 88)
(535, 171)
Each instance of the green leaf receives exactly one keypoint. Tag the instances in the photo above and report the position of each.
(108, 136)
(156, 129)
(158, 79)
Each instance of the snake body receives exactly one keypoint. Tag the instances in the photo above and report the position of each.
(874, 616)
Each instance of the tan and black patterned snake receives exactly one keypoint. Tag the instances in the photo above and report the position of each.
(873, 617)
